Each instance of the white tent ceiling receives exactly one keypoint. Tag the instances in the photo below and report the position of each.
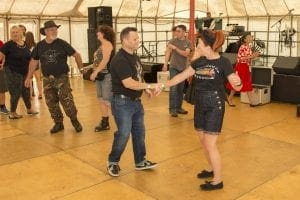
(150, 8)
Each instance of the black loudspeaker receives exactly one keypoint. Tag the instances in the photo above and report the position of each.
(237, 31)
(93, 43)
(150, 71)
(233, 47)
(287, 65)
(101, 15)
(262, 76)
(232, 57)
(286, 88)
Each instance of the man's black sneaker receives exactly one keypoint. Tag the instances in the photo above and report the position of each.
(76, 124)
(57, 127)
(4, 110)
(113, 170)
(145, 165)
(205, 174)
(208, 185)
(182, 111)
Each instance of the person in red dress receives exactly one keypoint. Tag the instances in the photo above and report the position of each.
(242, 68)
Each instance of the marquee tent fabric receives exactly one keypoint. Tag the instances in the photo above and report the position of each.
(151, 8)
(156, 18)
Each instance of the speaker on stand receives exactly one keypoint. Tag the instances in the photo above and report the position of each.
(93, 43)
(97, 16)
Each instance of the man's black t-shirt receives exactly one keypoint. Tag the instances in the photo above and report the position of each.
(207, 22)
(16, 57)
(122, 66)
(53, 56)
(210, 75)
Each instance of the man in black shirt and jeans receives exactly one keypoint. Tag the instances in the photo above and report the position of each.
(127, 109)
(53, 53)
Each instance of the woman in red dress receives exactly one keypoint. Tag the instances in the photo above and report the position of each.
(242, 68)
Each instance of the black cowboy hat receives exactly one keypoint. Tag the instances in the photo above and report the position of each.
(48, 24)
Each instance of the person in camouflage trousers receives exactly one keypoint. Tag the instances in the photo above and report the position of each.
(60, 86)
(53, 53)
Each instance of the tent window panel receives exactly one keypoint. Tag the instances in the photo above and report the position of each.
(2, 31)
(79, 39)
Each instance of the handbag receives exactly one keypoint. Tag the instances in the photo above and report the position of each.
(190, 93)
(87, 74)
(100, 76)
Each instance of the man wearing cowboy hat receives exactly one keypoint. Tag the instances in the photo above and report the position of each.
(53, 52)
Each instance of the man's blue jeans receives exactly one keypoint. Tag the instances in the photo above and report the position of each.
(176, 93)
(129, 117)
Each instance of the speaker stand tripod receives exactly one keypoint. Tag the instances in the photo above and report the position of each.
(279, 30)
(145, 52)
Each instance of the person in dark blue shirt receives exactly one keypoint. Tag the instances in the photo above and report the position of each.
(15, 56)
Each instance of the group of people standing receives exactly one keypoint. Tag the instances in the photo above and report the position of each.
(123, 84)
(20, 59)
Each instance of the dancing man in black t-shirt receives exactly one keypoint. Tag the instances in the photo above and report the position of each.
(127, 85)
(53, 53)
(208, 22)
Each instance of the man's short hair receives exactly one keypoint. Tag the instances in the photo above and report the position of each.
(125, 32)
(181, 26)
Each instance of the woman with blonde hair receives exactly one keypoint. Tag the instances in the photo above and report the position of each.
(29, 40)
(16, 56)
(209, 71)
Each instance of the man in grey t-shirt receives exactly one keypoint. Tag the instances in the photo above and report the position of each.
(177, 52)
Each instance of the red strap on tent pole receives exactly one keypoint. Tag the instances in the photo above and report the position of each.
(192, 22)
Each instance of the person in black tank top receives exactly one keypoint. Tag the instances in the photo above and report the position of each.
(102, 59)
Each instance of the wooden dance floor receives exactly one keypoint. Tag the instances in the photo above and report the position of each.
(260, 149)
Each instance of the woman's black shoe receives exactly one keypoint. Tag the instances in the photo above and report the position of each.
(207, 186)
(103, 125)
(205, 174)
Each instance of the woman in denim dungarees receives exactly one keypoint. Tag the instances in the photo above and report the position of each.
(209, 71)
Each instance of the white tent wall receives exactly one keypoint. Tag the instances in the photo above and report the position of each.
(2, 30)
